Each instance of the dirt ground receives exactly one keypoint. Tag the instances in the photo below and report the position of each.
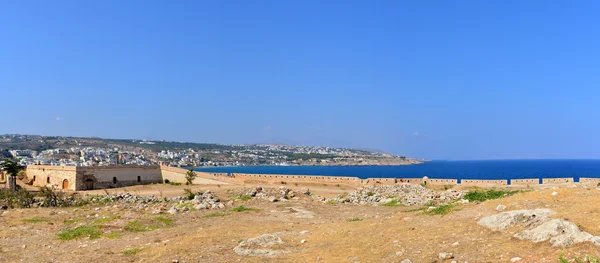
(376, 233)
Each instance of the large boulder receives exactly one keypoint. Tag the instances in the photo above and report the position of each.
(561, 233)
(526, 218)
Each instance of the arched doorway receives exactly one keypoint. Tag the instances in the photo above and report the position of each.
(89, 184)
(65, 184)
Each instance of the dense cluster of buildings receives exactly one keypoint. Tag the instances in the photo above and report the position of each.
(69, 151)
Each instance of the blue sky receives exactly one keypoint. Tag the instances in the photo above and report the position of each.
(431, 79)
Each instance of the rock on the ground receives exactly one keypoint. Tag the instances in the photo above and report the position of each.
(526, 218)
(500, 208)
(406, 261)
(260, 246)
(515, 259)
(561, 233)
(445, 255)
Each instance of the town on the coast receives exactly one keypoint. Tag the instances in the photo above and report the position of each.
(73, 151)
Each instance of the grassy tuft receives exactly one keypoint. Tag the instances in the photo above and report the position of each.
(105, 220)
(482, 195)
(242, 197)
(131, 252)
(71, 221)
(165, 220)
(215, 215)
(354, 219)
(135, 226)
(114, 235)
(91, 232)
(441, 210)
(36, 220)
(392, 203)
(416, 209)
(242, 208)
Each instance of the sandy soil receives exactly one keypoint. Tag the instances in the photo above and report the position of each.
(385, 234)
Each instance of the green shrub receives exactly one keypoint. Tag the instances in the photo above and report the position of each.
(448, 186)
(354, 219)
(189, 194)
(242, 208)
(91, 232)
(370, 193)
(483, 195)
(441, 210)
(174, 183)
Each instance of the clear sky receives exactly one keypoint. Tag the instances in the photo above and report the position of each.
(432, 79)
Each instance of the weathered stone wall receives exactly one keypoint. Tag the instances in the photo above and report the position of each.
(589, 180)
(116, 176)
(52, 176)
(557, 180)
(431, 181)
(532, 181)
(483, 182)
(379, 181)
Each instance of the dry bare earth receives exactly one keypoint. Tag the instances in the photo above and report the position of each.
(385, 234)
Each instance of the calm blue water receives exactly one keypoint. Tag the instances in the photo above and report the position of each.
(505, 169)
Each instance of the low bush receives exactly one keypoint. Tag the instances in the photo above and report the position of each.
(91, 232)
(483, 195)
(354, 219)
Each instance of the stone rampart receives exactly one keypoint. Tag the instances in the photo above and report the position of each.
(482, 182)
(532, 181)
(557, 180)
(431, 181)
(590, 180)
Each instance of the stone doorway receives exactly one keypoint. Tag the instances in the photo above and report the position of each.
(65, 185)
(89, 184)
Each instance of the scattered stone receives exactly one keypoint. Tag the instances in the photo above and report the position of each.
(353, 258)
(407, 194)
(303, 241)
(455, 244)
(554, 193)
(272, 199)
(515, 259)
(304, 232)
(500, 208)
(259, 246)
(445, 255)
(406, 261)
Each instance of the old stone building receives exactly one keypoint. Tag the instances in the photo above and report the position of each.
(92, 177)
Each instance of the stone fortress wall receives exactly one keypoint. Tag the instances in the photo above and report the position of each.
(98, 177)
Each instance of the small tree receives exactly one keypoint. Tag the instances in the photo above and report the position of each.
(12, 167)
(190, 176)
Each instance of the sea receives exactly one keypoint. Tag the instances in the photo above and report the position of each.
(484, 170)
